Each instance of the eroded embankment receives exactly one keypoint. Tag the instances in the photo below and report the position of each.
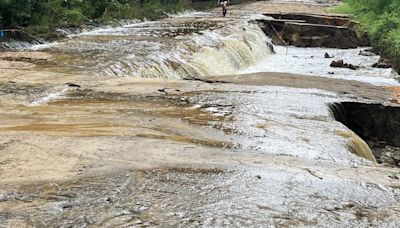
(312, 30)
(377, 124)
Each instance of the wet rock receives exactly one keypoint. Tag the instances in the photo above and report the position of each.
(354, 165)
(377, 124)
(374, 122)
(386, 154)
(19, 34)
(366, 53)
(327, 56)
(204, 80)
(315, 19)
(312, 31)
(383, 63)
(73, 85)
(394, 100)
(341, 64)
(395, 176)
(271, 47)
(309, 35)
(163, 90)
(364, 40)
(21, 89)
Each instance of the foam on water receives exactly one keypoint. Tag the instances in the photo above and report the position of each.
(284, 121)
(51, 95)
(161, 49)
(190, 13)
(233, 52)
(196, 44)
(312, 61)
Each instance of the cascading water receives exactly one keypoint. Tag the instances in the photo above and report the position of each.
(177, 47)
(235, 52)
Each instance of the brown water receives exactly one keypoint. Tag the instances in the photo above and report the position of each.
(126, 152)
(201, 197)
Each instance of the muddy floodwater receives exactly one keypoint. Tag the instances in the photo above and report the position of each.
(195, 121)
(204, 197)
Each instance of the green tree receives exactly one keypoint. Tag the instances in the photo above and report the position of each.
(381, 19)
(51, 14)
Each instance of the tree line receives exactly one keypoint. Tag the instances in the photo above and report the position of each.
(381, 20)
(56, 13)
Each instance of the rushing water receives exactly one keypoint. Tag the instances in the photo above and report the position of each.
(181, 46)
(312, 61)
(291, 167)
(196, 44)
(281, 158)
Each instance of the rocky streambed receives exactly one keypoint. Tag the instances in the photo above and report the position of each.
(83, 148)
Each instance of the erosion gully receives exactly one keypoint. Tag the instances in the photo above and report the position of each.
(196, 120)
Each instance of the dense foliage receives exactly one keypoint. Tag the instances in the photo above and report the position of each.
(381, 19)
(54, 13)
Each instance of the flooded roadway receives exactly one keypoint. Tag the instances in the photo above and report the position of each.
(205, 197)
(226, 155)
(181, 46)
(135, 152)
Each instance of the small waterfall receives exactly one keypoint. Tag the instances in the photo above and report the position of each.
(357, 145)
(222, 56)
(157, 50)
(237, 51)
(228, 55)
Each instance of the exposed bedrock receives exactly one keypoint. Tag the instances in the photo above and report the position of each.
(305, 30)
(377, 124)
(337, 20)
(342, 64)
(383, 63)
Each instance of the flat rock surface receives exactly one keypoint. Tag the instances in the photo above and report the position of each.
(236, 150)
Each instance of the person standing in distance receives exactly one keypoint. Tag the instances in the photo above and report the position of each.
(223, 3)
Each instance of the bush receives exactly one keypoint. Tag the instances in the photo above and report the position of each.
(381, 20)
(61, 13)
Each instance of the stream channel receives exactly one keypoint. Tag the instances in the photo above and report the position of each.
(195, 120)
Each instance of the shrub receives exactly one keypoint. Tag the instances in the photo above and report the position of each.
(55, 13)
(381, 20)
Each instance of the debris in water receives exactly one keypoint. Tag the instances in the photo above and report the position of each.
(383, 63)
(327, 56)
(395, 175)
(313, 173)
(73, 85)
(366, 53)
(163, 90)
(341, 64)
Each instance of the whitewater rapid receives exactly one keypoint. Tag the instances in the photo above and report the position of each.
(198, 44)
